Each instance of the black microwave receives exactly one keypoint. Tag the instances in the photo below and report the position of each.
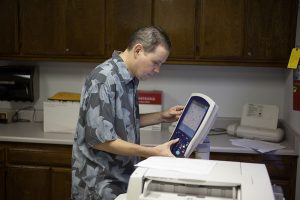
(19, 83)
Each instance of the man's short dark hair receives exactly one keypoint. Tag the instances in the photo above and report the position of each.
(149, 37)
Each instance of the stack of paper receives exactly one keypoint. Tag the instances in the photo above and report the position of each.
(257, 145)
(184, 166)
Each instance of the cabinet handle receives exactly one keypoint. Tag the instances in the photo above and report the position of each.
(67, 50)
(249, 53)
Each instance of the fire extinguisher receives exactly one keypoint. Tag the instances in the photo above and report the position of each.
(296, 89)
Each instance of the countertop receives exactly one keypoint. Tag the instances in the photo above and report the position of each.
(32, 132)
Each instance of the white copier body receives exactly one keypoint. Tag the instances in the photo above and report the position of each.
(227, 180)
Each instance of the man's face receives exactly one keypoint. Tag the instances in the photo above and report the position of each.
(148, 64)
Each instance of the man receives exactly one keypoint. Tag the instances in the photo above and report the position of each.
(106, 145)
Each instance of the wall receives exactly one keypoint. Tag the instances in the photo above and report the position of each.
(230, 87)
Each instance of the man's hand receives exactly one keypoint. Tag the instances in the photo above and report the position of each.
(165, 148)
(172, 114)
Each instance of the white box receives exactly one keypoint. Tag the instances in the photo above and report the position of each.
(61, 116)
(150, 101)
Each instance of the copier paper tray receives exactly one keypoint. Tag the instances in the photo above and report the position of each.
(165, 190)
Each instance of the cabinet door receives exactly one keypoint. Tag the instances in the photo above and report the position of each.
(60, 184)
(2, 174)
(28, 183)
(125, 16)
(85, 27)
(269, 33)
(9, 27)
(42, 27)
(2, 182)
(221, 29)
(177, 18)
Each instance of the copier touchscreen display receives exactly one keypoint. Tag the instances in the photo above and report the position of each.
(188, 125)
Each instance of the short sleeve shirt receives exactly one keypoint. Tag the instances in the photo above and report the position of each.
(108, 110)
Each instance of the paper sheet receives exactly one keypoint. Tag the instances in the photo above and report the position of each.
(183, 165)
(257, 145)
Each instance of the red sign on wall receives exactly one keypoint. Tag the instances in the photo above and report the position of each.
(149, 97)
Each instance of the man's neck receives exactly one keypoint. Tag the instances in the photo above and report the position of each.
(126, 57)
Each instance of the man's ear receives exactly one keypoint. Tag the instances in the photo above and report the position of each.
(137, 49)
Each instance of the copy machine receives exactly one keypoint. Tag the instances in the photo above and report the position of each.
(225, 180)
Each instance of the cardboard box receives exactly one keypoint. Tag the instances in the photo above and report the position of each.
(61, 116)
(150, 101)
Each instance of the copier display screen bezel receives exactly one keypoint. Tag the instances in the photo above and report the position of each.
(188, 124)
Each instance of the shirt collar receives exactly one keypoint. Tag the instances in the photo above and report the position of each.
(123, 69)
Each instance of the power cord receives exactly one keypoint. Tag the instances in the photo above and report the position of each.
(217, 131)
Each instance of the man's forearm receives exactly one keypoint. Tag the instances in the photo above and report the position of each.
(150, 119)
(122, 147)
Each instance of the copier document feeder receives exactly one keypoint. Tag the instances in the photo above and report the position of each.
(226, 180)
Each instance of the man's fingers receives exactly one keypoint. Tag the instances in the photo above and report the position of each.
(174, 141)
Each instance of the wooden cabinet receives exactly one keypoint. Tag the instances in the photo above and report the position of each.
(269, 25)
(37, 171)
(85, 28)
(27, 182)
(62, 27)
(60, 191)
(247, 31)
(2, 173)
(222, 32)
(9, 27)
(42, 27)
(124, 17)
(2, 182)
(177, 18)
(282, 169)
(221, 29)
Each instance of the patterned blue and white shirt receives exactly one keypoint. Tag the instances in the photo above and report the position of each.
(108, 110)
